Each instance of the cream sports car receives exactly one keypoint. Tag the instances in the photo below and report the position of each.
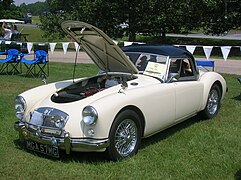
(140, 91)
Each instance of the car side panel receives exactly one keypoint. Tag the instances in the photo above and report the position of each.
(188, 98)
(157, 103)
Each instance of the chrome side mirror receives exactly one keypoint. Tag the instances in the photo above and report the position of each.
(124, 85)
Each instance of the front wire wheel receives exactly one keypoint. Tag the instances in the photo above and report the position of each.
(125, 136)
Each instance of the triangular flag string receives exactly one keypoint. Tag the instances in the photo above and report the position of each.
(29, 47)
(191, 48)
(65, 46)
(52, 47)
(116, 42)
(207, 51)
(225, 51)
(77, 46)
(127, 43)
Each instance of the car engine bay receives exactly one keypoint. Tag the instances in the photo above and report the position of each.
(88, 87)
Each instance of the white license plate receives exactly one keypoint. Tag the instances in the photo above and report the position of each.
(42, 148)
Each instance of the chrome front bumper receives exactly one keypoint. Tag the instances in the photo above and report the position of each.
(67, 143)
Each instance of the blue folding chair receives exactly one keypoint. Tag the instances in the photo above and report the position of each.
(39, 63)
(10, 64)
(206, 63)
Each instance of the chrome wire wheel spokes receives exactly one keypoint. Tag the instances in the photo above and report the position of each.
(213, 102)
(126, 137)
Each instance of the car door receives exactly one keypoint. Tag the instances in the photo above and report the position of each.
(188, 98)
(188, 90)
(158, 106)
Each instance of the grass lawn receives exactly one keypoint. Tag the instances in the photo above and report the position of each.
(194, 149)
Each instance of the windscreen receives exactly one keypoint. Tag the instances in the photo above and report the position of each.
(150, 64)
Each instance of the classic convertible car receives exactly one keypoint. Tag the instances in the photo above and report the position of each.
(140, 91)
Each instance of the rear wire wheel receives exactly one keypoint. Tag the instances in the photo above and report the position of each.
(125, 136)
(213, 102)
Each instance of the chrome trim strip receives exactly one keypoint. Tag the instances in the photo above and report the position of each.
(65, 142)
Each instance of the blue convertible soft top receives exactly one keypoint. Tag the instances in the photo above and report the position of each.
(171, 51)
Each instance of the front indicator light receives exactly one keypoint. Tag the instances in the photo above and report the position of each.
(91, 132)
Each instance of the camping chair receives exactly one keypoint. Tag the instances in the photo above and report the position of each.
(2, 48)
(15, 37)
(10, 64)
(206, 63)
(39, 63)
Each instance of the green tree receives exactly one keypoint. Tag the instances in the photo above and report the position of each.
(35, 9)
(145, 16)
(8, 9)
(99, 13)
(220, 16)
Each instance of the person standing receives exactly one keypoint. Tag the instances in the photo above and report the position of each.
(7, 31)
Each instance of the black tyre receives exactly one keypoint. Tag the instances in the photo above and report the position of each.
(125, 136)
(213, 103)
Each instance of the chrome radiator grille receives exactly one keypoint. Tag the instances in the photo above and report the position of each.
(48, 120)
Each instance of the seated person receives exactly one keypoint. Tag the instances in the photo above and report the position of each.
(141, 65)
(7, 31)
(186, 69)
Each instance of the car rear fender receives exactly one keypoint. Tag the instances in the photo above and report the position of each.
(209, 79)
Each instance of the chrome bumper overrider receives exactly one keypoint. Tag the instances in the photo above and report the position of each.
(67, 143)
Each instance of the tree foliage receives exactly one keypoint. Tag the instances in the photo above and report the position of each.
(220, 16)
(8, 9)
(144, 16)
(35, 9)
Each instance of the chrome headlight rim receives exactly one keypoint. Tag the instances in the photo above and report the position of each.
(20, 107)
(89, 115)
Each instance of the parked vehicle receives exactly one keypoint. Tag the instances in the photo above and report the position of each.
(27, 18)
(143, 90)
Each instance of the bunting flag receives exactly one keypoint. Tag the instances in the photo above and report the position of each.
(116, 42)
(29, 46)
(52, 47)
(127, 43)
(65, 46)
(77, 46)
(7, 42)
(141, 43)
(19, 43)
(207, 51)
(225, 51)
(191, 48)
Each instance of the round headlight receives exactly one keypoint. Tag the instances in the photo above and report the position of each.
(20, 107)
(89, 115)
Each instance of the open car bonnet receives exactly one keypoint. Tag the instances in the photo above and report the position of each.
(101, 48)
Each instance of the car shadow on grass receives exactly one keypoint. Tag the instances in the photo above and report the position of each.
(237, 176)
(86, 157)
(238, 98)
(101, 157)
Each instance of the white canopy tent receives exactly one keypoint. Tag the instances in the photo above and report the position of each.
(11, 21)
